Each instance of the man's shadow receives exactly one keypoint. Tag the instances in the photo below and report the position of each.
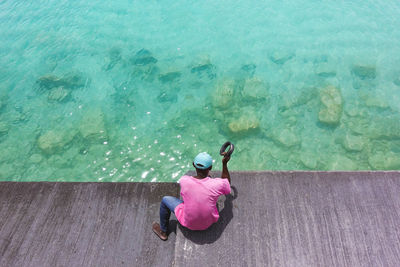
(214, 232)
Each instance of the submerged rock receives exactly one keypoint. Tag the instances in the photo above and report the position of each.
(374, 102)
(169, 76)
(364, 71)
(354, 142)
(49, 81)
(248, 121)
(3, 128)
(58, 94)
(287, 138)
(71, 80)
(376, 126)
(114, 56)
(143, 57)
(255, 88)
(92, 125)
(290, 101)
(397, 81)
(54, 141)
(17, 116)
(341, 163)
(7, 171)
(331, 111)
(3, 101)
(35, 158)
(384, 161)
(249, 69)
(280, 57)
(144, 65)
(167, 96)
(325, 70)
(309, 159)
(203, 66)
(223, 94)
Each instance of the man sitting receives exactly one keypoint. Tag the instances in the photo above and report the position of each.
(197, 210)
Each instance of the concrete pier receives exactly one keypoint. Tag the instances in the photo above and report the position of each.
(270, 219)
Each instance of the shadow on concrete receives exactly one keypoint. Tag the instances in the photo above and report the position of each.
(215, 231)
(172, 226)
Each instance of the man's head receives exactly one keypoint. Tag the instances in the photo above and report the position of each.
(203, 163)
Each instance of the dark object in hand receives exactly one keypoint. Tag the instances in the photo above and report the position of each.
(224, 147)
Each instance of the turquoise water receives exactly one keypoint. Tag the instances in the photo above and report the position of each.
(133, 90)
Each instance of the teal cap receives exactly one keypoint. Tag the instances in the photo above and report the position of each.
(203, 161)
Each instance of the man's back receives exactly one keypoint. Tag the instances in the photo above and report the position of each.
(198, 210)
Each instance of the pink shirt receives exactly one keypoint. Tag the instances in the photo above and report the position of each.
(198, 210)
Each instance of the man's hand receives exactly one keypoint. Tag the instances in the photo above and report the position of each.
(226, 158)
(225, 172)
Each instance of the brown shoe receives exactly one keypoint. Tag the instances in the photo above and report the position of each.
(157, 230)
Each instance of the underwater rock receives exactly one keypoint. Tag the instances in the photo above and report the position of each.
(354, 143)
(146, 72)
(59, 161)
(167, 96)
(203, 66)
(169, 76)
(125, 93)
(384, 161)
(287, 138)
(58, 94)
(250, 69)
(53, 141)
(290, 101)
(280, 57)
(397, 81)
(309, 159)
(364, 71)
(223, 94)
(374, 102)
(382, 127)
(248, 121)
(255, 88)
(35, 158)
(331, 111)
(3, 128)
(376, 126)
(364, 85)
(71, 80)
(325, 70)
(49, 81)
(341, 163)
(143, 57)
(114, 56)
(7, 171)
(92, 125)
(16, 116)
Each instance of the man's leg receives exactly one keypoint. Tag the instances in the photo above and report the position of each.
(167, 205)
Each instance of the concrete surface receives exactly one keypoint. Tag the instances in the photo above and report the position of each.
(301, 219)
(270, 219)
(82, 224)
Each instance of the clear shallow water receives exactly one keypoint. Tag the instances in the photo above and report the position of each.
(128, 91)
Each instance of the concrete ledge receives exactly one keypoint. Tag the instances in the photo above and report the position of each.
(271, 219)
(82, 224)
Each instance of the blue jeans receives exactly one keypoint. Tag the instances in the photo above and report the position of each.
(167, 205)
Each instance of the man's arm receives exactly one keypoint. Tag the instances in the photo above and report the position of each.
(225, 173)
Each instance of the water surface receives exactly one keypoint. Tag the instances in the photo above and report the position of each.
(133, 90)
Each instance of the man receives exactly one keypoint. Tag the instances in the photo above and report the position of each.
(197, 210)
